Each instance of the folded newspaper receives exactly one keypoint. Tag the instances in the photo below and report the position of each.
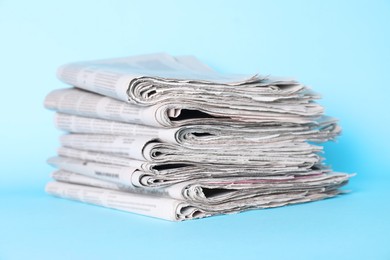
(168, 137)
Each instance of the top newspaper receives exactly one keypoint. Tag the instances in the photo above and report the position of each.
(129, 79)
(166, 91)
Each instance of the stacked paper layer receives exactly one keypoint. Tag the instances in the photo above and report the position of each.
(168, 137)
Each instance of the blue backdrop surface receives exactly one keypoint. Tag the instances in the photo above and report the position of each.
(340, 48)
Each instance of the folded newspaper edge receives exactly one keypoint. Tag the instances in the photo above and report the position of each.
(133, 176)
(298, 153)
(183, 169)
(178, 112)
(171, 209)
(205, 189)
(151, 79)
(203, 135)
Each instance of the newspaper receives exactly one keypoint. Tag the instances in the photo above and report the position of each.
(177, 210)
(178, 112)
(153, 79)
(136, 176)
(212, 191)
(180, 170)
(142, 148)
(323, 130)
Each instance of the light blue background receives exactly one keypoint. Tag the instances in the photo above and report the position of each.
(340, 48)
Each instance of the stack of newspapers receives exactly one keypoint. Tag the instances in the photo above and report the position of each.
(168, 137)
